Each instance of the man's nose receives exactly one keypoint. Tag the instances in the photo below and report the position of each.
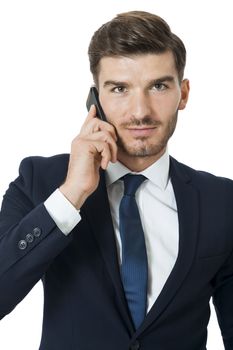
(140, 105)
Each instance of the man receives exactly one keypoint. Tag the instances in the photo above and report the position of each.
(124, 266)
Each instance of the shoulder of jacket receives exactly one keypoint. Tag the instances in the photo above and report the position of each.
(44, 162)
(200, 176)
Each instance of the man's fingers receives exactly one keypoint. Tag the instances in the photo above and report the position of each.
(107, 138)
(103, 149)
(91, 113)
(93, 125)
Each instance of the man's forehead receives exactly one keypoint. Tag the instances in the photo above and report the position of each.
(115, 67)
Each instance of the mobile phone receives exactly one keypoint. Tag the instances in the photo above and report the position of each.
(93, 99)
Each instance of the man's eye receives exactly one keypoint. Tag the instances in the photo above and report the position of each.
(159, 86)
(119, 89)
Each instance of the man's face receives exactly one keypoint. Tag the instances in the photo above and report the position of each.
(141, 96)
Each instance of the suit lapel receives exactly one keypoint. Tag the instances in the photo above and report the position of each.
(188, 209)
(97, 211)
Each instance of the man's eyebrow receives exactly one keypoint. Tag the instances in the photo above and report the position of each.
(168, 78)
(165, 78)
(114, 82)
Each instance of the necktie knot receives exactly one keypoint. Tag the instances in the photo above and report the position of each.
(131, 183)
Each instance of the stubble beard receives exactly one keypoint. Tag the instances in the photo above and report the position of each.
(141, 146)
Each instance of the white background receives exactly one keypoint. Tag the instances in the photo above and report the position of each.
(44, 80)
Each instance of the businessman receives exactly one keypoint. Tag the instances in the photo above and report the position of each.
(130, 244)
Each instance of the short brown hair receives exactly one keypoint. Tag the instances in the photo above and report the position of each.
(133, 33)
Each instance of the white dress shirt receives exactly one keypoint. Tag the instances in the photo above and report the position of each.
(158, 212)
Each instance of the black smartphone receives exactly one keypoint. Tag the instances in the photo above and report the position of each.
(93, 99)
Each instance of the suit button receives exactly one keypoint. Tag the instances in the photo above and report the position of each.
(36, 232)
(135, 345)
(29, 238)
(22, 244)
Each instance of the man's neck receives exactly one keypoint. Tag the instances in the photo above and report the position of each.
(137, 163)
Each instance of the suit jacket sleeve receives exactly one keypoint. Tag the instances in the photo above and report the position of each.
(223, 282)
(23, 213)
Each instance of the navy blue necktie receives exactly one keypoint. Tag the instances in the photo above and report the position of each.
(134, 269)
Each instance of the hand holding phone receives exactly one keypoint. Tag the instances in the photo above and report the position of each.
(93, 148)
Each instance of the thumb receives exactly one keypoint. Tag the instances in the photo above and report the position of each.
(91, 113)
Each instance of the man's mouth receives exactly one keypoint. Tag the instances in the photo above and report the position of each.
(141, 131)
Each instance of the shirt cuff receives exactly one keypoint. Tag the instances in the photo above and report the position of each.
(64, 214)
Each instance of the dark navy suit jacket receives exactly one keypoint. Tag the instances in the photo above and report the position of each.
(84, 303)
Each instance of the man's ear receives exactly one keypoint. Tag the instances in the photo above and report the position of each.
(185, 87)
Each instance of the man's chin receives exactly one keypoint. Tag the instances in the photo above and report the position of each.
(141, 150)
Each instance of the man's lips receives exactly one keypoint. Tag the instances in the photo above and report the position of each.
(142, 131)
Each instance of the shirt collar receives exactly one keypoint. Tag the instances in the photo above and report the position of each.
(158, 172)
